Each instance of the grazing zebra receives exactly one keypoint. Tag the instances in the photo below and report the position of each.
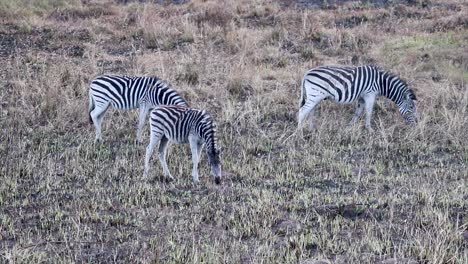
(125, 92)
(346, 84)
(181, 124)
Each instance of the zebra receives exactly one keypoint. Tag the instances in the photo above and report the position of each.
(181, 124)
(128, 92)
(346, 84)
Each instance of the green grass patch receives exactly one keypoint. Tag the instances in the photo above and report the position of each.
(443, 54)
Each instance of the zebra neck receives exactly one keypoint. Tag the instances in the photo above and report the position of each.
(210, 146)
(391, 87)
(208, 134)
(210, 142)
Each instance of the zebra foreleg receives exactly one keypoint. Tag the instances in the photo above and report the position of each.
(369, 104)
(97, 115)
(199, 150)
(193, 140)
(358, 112)
(141, 121)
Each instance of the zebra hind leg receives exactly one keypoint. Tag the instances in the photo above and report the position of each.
(307, 110)
(141, 121)
(97, 114)
(162, 157)
(149, 152)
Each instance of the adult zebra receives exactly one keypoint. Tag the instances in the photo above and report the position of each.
(346, 84)
(180, 124)
(127, 92)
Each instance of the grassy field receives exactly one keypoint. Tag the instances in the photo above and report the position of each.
(335, 194)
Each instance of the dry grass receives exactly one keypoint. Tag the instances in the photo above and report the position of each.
(334, 194)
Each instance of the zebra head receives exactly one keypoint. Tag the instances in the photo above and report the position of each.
(215, 164)
(407, 107)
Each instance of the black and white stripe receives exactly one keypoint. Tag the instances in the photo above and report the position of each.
(126, 92)
(181, 125)
(346, 84)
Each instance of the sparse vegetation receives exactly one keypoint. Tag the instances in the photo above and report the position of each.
(334, 194)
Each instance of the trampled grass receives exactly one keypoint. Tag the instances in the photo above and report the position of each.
(337, 194)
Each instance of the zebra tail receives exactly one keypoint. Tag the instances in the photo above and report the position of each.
(90, 107)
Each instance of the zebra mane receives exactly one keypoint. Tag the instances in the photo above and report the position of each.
(160, 81)
(412, 96)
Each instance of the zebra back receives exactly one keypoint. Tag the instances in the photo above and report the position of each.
(127, 92)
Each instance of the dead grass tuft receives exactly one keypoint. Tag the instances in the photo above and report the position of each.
(212, 14)
(239, 88)
(81, 13)
(190, 74)
(164, 31)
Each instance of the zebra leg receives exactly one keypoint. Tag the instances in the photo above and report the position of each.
(358, 112)
(141, 121)
(369, 104)
(199, 150)
(149, 151)
(193, 140)
(162, 156)
(303, 112)
(97, 115)
(306, 110)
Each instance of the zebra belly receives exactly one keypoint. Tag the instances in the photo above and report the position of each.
(341, 102)
(347, 98)
(178, 140)
(125, 107)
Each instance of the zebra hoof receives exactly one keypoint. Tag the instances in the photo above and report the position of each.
(169, 179)
(218, 180)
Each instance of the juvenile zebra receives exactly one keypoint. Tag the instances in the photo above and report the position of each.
(346, 84)
(127, 92)
(181, 124)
